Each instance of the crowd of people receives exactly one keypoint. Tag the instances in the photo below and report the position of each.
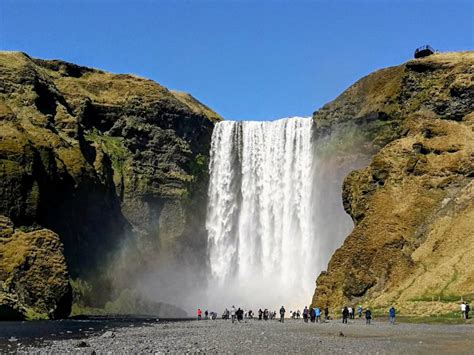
(313, 315)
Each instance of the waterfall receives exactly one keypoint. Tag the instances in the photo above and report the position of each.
(262, 229)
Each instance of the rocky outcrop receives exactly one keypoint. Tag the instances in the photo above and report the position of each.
(99, 158)
(413, 206)
(34, 281)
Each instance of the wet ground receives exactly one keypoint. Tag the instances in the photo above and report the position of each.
(17, 335)
(253, 336)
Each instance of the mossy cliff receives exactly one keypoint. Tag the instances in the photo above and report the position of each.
(99, 157)
(34, 282)
(413, 205)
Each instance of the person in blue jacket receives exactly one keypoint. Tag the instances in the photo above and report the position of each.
(317, 311)
(391, 314)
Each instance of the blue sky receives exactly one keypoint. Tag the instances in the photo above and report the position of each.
(245, 59)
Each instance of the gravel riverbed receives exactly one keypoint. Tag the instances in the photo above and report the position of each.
(253, 336)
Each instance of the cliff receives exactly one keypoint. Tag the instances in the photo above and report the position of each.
(100, 158)
(413, 206)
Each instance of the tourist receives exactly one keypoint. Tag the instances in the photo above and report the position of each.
(240, 315)
(326, 313)
(368, 316)
(312, 315)
(345, 314)
(260, 314)
(298, 314)
(318, 315)
(250, 313)
(351, 312)
(305, 314)
(391, 313)
(467, 310)
(359, 310)
(282, 314)
(233, 313)
(265, 314)
(463, 310)
(206, 315)
(199, 313)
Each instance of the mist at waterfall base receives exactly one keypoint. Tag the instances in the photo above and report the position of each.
(274, 218)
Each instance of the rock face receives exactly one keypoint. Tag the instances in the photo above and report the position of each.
(413, 206)
(99, 157)
(34, 281)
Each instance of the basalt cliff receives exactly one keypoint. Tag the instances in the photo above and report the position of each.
(412, 245)
(98, 159)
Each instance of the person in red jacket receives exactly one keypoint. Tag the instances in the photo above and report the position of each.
(199, 312)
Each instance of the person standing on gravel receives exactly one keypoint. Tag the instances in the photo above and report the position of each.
(467, 310)
(305, 314)
(368, 316)
(233, 313)
(312, 315)
(463, 310)
(391, 313)
(199, 313)
(318, 315)
(345, 314)
(326, 313)
(359, 310)
(282, 314)
(260, 314)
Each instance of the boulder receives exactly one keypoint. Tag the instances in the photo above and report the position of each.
(34, 280)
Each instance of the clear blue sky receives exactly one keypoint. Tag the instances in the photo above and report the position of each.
(245, 59)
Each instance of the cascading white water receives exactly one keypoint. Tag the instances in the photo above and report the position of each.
(262, 234)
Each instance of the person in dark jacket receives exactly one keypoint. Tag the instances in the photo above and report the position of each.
(282, 314)
(326, 313)
(345, 314)
(391, 315)
(368, 316)
(305, 314)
